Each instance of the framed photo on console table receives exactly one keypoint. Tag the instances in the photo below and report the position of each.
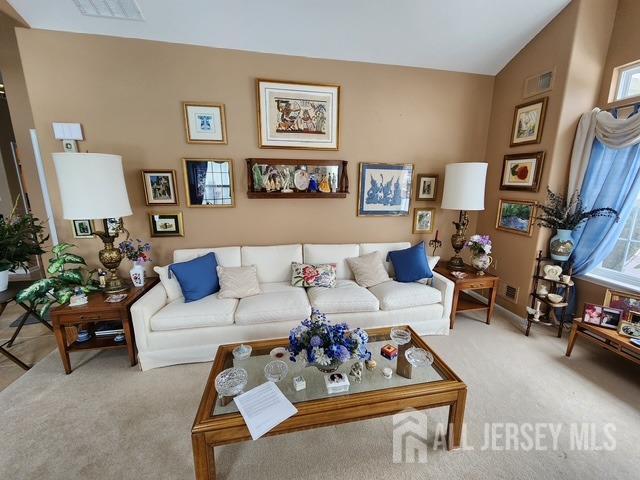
(384, 189)
(205, 123)
(522, 171)
(168, 224)
(160, 187)
(298, 115)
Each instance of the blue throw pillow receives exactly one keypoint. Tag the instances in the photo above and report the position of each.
(198, 278)
(410, 264)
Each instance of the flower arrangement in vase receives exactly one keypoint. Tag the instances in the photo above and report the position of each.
(480, 246)
(325, 345)
(138, 253)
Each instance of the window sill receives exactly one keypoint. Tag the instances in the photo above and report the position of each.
(608, 283)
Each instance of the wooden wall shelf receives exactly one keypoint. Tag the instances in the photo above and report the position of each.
(296, 195)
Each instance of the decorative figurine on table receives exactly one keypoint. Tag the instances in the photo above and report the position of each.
(370, 364)
(356, 372)
(435, 244)
(138, 254)
(78, 297)
(286, 180)
(102, 278)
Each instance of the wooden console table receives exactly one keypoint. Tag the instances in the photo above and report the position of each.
(95, 312)
(462, 301)
(605, 338)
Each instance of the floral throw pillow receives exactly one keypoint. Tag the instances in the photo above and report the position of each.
(305, 275)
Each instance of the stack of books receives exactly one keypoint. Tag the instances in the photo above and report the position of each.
(109, 329)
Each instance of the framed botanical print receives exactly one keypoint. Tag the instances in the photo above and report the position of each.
(423, 220)
(384, 189)
(522, 171)
(166, 224)
(83, 228)
(298, 115)
(426, 187)
(205, 122)
(516, 216)
(208, 182)
(112, 226)
(528, 121)
(160, 187)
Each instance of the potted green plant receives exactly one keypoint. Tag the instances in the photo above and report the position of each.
(21, 237)
(565, 216)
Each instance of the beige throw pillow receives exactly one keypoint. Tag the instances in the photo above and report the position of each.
(368, 269)
(238, 282)
(169, 282)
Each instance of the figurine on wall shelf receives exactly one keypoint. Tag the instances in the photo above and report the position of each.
(324, 185)
(333, 181)
(258, 180)
(286, 180)
(313, 183)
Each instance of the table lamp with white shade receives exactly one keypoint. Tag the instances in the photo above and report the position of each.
(92, 187)
(464, 185)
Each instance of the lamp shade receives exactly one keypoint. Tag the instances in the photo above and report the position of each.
(464, 186)
(91, 185)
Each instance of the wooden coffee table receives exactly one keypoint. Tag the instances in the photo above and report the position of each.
(603, 337)
(430, 387)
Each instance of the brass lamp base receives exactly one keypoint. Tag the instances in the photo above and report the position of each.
(458, 241)
(111, 257)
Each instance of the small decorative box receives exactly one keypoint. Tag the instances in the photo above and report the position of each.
(299, 383)
(336, 382)
(389, 352)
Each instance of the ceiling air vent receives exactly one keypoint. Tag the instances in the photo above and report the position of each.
(118, 9)
(539, 83)
(509, 292)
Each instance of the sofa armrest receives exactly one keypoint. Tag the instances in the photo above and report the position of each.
(446, 287)
(142, 311)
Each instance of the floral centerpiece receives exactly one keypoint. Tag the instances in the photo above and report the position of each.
(325, 345)
(480, 246)
(138, 253)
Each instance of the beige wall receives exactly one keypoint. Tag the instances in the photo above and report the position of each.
(575, 43)
(127, 94)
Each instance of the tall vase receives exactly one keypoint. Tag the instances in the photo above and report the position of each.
(561, 245)
(137, 275)
(4, 280)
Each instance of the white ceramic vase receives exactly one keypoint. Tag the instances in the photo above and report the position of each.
(137, 275)
(4, 280)
(481, 262)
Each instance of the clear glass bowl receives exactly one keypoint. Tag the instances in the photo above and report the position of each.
(231, 382)
(276, 370)
(400, 336)
(242, 352)
(418, 357)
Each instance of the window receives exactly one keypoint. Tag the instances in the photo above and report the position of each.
(628, 81)
(622, 266)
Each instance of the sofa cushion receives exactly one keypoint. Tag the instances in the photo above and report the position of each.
(273, 262)
(209, 311)
(225, 256)
(331, 253)
(198, 277)
(368, 269)
(306, 275)
(278, 302)
(169, 282)
(238, 282)
(411, 264)
(385, 248)
(346, 297)
(396, 295)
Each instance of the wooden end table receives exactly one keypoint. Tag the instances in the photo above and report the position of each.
(462, 301)
(97, 311)
(605, 338)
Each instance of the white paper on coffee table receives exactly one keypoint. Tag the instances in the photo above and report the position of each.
(264, 407)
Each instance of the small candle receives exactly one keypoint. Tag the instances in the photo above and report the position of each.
(436, 235)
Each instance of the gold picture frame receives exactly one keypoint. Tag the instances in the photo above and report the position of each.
(627, 302)
(509, 223)
(208, 126)
(523, 132)
(173, 218)
(193, 186)
(422, 185)
(367, 168)
(417, 227)
(513, 166)
(327, 105)
(148, 187)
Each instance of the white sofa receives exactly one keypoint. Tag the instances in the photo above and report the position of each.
(169, 333)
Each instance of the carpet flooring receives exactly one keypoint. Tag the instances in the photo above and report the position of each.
(109, 421)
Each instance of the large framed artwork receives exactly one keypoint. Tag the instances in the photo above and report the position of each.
(528, 121)
(208, 182)
(205, 123)
(522, 171)
(384, 189)
(166, 224)
(516, 216)
(298, 115)
(160, 187)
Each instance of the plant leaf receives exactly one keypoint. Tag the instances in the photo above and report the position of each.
(72, 258)
(35, 290)
(61, 247)
(63, 295)
(55, 265)
(73, 276)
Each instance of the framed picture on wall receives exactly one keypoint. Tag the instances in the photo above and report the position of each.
(208, 182)
(522, 171)
(423, 220)
(384, 189)
(112, 226)
(516, 216)
(528, 121)
(166, 224)
(83, 228)
(160, 187)
(205, 122)
(298, 115)
(426, 186)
